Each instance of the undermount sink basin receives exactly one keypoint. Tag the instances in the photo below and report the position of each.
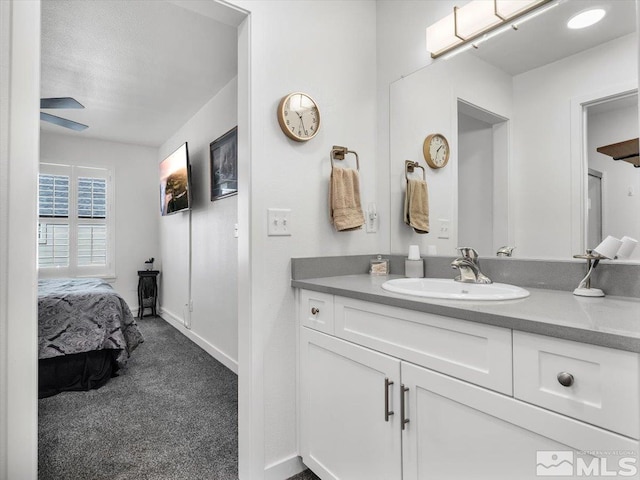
(449, 289)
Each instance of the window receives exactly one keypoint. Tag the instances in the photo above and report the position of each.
(74, 228)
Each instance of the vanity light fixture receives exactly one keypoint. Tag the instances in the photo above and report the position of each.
(479, 20)
(586, 19)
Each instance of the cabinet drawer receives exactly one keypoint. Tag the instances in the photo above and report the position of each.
(477, 353)
(316, 311)
(602, 388)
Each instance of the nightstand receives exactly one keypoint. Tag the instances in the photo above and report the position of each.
(147, 291)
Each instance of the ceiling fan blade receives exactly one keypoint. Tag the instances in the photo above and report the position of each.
(63, 102)
(63, 122)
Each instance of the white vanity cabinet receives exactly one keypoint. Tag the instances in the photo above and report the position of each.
(359, 388)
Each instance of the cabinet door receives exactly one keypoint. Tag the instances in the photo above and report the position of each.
(460, 431)
(344, 432)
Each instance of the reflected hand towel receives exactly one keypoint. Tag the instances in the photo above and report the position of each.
(344, 199)
(416, 206)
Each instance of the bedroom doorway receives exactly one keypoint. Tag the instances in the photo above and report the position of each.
(187, 313)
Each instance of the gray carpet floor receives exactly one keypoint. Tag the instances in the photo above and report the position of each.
(171, 415)
(306, 475)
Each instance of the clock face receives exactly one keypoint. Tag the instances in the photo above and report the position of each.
(436, 150)
(299, 117)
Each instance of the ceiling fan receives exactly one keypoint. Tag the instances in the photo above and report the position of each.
(64, 102)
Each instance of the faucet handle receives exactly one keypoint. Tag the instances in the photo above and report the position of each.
(468, 252)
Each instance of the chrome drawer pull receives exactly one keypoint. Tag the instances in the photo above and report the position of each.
(387, 412)
(315, 311)
(565, 379)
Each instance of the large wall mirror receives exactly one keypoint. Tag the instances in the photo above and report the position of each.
(524, 115)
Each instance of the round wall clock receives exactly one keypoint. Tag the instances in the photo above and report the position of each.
(436, 150)
(299, 116)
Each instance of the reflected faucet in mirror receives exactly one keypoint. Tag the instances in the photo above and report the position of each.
(469, 267)
(505, 251)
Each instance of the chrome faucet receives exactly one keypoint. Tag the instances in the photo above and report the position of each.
(505, 251)
(468, 265)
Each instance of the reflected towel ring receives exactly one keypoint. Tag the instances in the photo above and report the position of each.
(410, 166)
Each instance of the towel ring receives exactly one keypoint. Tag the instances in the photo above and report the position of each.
(410, 166)
(338, 153)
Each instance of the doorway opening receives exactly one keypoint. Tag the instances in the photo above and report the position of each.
(612, 187)
(482, 179)
(195, 322)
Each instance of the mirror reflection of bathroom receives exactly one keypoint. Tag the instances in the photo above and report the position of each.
(613, 186)
(482, 179)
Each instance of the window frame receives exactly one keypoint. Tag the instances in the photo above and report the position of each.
(74, 172)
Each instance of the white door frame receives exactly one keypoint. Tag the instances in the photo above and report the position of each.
(19, 156)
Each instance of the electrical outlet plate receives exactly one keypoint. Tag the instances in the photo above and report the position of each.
(279, 221)
(371, 217)
(444, 227)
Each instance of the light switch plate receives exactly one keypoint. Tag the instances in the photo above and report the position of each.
(279, 222)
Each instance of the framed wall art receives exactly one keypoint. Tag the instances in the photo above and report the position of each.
(224, 165)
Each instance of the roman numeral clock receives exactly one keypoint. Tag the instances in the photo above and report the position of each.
(299, 116)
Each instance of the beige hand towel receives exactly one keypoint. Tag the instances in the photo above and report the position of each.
(344, 199)
(416, 206)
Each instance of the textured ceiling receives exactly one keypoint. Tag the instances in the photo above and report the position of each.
(141, 68)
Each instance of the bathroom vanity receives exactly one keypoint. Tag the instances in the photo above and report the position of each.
(393, 386)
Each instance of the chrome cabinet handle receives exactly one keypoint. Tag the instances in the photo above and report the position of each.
(315, 311)
(403, 419)
(387, 412)
(565, 379)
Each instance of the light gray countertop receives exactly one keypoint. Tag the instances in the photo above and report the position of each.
(607, 321)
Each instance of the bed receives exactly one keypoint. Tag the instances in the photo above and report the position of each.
(86, 333)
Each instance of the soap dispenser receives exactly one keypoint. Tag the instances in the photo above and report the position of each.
(414, 265)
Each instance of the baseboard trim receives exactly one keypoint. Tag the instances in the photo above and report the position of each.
(284, 468)
(212, 350)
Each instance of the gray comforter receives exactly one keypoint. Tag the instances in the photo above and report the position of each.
(80, 315)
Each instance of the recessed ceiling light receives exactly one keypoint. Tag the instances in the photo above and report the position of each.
(586, 18)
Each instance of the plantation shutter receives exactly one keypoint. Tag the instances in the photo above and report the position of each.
(53, 227)
(92, 225)
(75, 225)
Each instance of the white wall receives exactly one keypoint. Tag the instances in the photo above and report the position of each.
(542, 171)
(620, 180)
(214, 320)
(327, 49)
(136, 205)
